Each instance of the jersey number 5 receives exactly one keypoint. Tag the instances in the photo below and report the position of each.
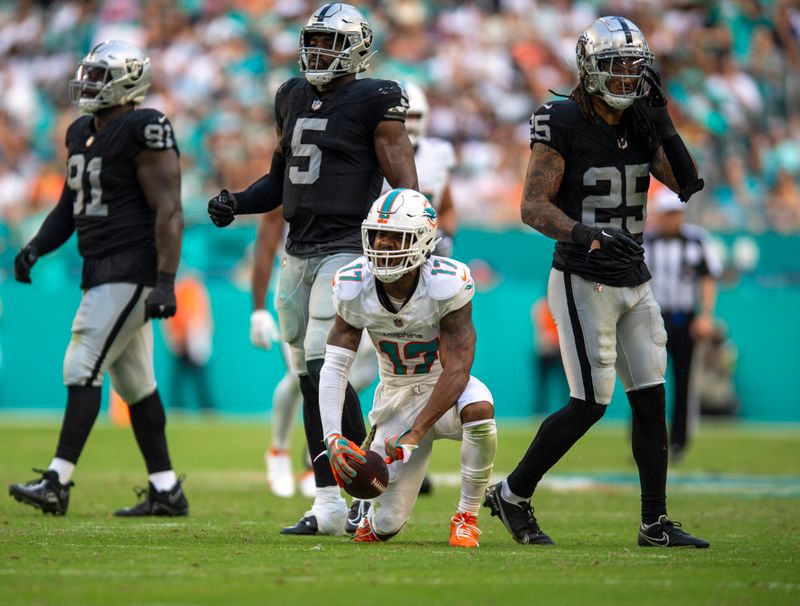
(76, 166)
(306, 150)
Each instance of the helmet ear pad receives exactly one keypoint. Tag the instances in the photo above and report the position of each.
(591, 82)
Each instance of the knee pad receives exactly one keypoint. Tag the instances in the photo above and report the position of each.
(383, 533)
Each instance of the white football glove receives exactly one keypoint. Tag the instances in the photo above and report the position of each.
(263, 330)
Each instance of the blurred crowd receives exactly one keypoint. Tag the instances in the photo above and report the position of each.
(731, 67)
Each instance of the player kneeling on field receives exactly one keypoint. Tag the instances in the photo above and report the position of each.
(417, 311)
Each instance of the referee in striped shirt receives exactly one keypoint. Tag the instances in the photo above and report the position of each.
(684, 283)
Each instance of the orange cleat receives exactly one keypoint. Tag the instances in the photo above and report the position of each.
(364, 533)
(464, 530)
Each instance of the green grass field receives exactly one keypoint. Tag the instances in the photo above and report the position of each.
(739, 487)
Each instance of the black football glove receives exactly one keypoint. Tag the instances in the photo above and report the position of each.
(160, 303)
(613, 241)
(654, 105)
(222, 208)
(24, 261)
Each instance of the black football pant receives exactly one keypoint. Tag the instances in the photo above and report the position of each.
(680, 347)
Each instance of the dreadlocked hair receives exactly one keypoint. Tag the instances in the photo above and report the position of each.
(635, 116)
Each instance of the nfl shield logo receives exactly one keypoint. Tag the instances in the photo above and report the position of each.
(317, 103)
(398, 322)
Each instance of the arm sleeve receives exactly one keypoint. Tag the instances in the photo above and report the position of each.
(265, 194)
(58, 225)
(332, 386)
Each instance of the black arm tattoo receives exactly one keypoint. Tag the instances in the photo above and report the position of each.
(457, 352)
(661, 170)
(457, 339)
(545, 171)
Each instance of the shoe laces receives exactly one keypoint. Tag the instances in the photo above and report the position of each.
(44, 473)
(530, 519)
(465, 525)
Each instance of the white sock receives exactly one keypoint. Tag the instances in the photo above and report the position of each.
(285, 404)
(163, 480)
(328, 493)
(63, 468)
(478, 445)
(507, 495)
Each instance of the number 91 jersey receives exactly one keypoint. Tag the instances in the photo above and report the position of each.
(407, 342)
(110, 210)
(605, 182)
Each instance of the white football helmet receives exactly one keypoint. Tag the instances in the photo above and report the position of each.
(614, 49)
(349, 51)
(403, 211)
(113, 73)
(418, 110)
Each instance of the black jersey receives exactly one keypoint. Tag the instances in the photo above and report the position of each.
(115, 224)
(332, 172)
(605, 182)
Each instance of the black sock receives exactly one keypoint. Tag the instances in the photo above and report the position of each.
(312, 423)
(555, 437)
(353, 426)
(352, 420)
(149, 422)
(649, 444)
(83, 405)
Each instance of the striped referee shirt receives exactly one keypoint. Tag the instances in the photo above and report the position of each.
(677, 263)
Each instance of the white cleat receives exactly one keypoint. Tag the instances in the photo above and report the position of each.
(279, 473)
(308, 485)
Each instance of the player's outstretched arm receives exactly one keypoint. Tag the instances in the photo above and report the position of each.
(159, 176)
(263, 330)
(457, 351)
(542, 181)
(56, 229)
(395, 154)
(343, 341)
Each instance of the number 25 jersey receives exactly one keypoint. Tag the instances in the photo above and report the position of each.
(605, 182)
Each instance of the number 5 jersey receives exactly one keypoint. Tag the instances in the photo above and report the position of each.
(407, 341)
(115, 224)
(605, 182)
(332, 172)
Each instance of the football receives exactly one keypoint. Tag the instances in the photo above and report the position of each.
(371, 479)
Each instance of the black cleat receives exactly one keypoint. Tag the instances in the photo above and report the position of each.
(46, 493)
(666, 533)
(358, 510)
(518, 519)
(307, 525)
(426, 487)
(154, 503)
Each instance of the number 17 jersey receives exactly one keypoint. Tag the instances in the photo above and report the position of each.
(407, 341)
(605, 182)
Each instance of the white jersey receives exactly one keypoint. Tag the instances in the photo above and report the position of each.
(407, 342)
(435, 158)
